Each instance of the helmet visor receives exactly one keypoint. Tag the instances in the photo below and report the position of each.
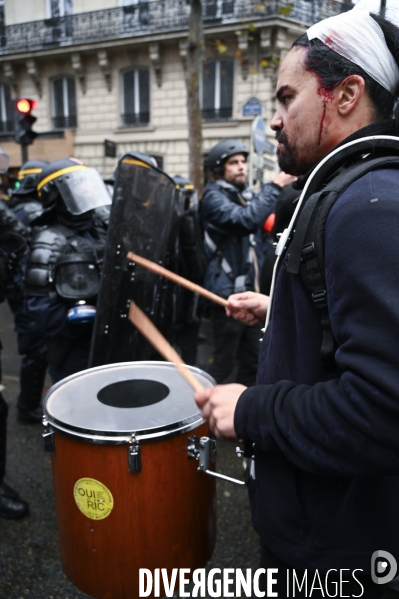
(82, 190)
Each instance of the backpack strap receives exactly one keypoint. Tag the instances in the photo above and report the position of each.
(306, 254)
(218, 251)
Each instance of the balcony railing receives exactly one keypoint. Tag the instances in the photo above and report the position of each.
(152, 17)
(141, 118)
(217, 114)
(65, 122)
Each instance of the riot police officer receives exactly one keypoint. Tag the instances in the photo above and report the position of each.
(62, 272)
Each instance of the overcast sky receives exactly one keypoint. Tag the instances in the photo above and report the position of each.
(374, 6)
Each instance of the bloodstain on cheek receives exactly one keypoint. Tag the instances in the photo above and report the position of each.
(327, 95)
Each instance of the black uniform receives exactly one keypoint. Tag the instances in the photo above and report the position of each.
(13, 245)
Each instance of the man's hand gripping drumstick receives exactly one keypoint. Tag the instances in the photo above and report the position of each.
(249, 307)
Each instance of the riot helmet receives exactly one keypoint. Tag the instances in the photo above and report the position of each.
(28, 176)
(145, 158)
(74, 189)
(223, 150)
(187, 192)
(141, 157)
(183, 184)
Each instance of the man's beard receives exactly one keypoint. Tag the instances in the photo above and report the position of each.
(241, 185)
(238, 182)
(286, 158)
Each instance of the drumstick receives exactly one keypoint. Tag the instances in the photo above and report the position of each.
(157, 340)
(168, 274)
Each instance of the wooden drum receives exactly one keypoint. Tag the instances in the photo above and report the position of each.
(127, 495)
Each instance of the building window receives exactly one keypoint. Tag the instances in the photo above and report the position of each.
(6, 109)
(63, 102)
(135, 13)
(2, 21)
(217, 9)
(136, 97)
(60, 8)
(217, 90)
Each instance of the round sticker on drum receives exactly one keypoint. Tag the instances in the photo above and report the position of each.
(93, 498)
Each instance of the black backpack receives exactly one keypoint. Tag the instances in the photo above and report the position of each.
(305, 255)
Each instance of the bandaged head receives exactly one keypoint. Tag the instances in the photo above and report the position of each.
(356, 36)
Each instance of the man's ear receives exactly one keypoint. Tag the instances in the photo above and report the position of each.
(350, 92)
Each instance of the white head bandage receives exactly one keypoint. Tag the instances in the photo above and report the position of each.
(356, 36)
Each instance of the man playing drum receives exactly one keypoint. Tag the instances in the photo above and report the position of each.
(324, 487)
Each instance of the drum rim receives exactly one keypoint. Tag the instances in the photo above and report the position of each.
(121, 437)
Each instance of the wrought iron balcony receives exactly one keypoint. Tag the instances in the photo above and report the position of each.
(65, 122)
(154, 16)
(141, 118)
(217, 114)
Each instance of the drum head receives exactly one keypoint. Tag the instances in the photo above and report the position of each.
(110, 403)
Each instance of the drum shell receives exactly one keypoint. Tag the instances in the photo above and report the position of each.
(163, 516)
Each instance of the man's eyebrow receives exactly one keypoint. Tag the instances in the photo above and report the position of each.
(281, 91)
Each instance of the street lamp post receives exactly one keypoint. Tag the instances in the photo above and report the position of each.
(383, 6)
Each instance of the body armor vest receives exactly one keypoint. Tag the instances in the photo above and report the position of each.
(46, 247)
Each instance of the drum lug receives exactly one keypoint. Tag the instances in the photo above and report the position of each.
(134, 455)
(203, 449)
(48, 437)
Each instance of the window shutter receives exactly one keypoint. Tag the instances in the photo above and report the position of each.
(70, 81)
(208, 89)
(144, 95)
(128, 97)
(226, 89)
(58, 95)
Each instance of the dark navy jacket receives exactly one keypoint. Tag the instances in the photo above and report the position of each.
(230, 216)
(326, 492)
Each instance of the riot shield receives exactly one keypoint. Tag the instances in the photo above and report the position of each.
(144, 220)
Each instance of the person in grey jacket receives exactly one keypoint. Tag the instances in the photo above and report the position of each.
(233, 215)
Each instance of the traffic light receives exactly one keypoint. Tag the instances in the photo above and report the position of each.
(24, 121)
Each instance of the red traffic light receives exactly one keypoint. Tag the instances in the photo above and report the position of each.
(25, 105)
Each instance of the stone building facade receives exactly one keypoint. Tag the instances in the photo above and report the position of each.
(114, 70)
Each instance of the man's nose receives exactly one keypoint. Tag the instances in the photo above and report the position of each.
(276, 123)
